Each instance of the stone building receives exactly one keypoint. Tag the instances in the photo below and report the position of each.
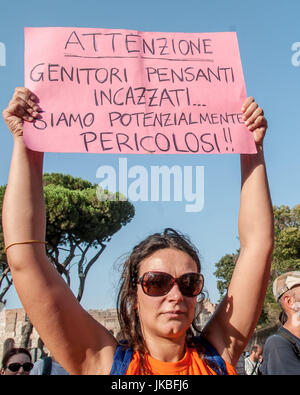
(13, 323)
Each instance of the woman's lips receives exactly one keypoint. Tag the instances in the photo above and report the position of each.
(174, 313)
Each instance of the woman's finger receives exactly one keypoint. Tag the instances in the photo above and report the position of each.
(259, 122)
(250, 110)
(247, 102)
(26, 92)
(28, 105)
(17, 109)
(22, 107)
(257, 113)
(27, 96)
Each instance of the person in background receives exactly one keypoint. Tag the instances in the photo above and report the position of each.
(252, 363)
(48, 366)
(282, 350)
(16, 362)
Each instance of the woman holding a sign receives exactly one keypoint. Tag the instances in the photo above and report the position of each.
(160, 282)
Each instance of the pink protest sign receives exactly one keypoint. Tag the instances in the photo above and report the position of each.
(121, 91)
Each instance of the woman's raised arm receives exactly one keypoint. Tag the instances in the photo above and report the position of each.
(232, 326)
(77, 341)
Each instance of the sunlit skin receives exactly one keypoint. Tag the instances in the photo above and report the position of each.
(291, 303)
(20, 358)
(165, 319)
(84, 346)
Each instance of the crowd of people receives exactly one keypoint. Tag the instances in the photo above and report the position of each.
(161, 282)
(279, 356)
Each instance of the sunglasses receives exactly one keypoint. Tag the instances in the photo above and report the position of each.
(14, 367)
(160, 283)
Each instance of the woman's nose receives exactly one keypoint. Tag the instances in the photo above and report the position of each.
(175, 293)
(21, 370)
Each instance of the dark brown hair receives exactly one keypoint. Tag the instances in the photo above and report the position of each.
(14, 351)
(127, 297)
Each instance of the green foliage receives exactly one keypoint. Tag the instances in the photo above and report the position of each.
(74, 212)
(225, 268)
(286, 257)
(286, 254)
(79, 220)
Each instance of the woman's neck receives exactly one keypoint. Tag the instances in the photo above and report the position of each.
(165, 349)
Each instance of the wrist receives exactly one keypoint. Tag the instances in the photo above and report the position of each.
(18, 139)
(21, 150)
(259, 147)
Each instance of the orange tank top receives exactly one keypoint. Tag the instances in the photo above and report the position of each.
(190, 364)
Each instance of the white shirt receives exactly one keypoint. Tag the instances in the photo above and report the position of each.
(55, 370)
(249, 366)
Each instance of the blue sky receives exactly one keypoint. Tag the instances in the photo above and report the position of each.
(266, 32)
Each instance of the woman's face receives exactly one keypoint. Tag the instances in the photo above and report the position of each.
(172, 314)
(17, 358)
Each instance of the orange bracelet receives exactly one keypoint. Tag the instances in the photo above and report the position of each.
(23, 242)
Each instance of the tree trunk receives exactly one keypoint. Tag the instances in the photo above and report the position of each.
(27, 330)
(5, 276)
(82, 275)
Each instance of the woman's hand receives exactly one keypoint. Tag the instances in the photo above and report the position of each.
(255, 120)
(22, 107)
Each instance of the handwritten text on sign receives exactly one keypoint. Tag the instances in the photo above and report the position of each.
(119, 91)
